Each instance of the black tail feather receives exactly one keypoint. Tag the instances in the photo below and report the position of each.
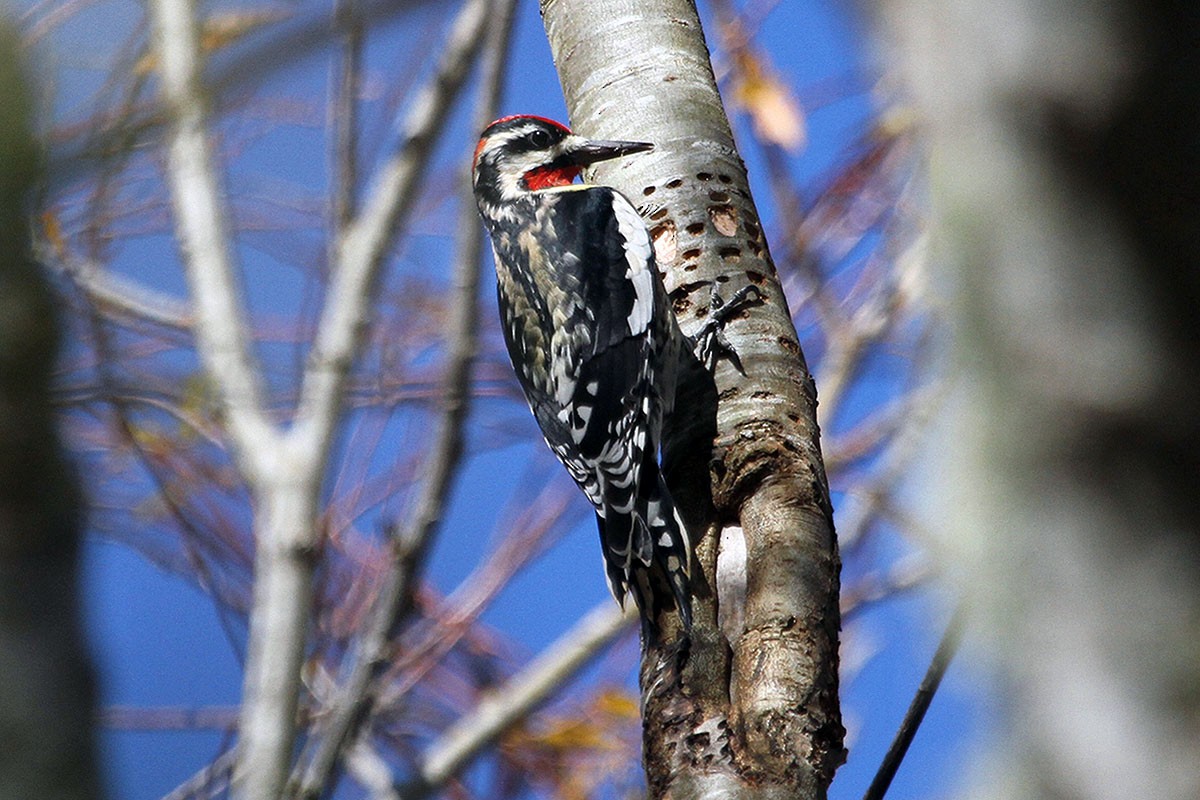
(648, 553)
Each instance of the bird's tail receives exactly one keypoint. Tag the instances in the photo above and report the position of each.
(647, 551)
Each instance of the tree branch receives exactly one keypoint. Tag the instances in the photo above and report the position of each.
(514, 700)
(222, 331)
(366, 240)
(208, 781)
(108, 290)
(343, 118)
(283, 480)
(352, 703)
(942, 657)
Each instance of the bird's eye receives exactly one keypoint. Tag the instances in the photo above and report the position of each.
(539, 139)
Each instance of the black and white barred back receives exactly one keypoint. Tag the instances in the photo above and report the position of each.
(594, 344)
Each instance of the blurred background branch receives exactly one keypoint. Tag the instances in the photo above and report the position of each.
(47, 729)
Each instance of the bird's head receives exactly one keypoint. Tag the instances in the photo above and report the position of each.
(521, 154)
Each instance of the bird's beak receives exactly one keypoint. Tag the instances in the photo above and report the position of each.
(592, 151)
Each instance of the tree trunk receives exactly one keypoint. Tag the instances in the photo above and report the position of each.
(1066, 143)
(46, 694)
(752, 710)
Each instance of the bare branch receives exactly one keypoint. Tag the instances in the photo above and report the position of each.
(283, 480)
(222, 333)
(285, 522)
(343, 118)
(168, 718)
(906, 575)
(869, 324)
(946, 649)
(371, 770)
(120, 294)
(353, 701)
(273, 50)
(429, 642)
(366, 240)
(209, 781)
(517, 697)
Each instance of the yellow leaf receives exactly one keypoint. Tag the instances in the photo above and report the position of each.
(199, 395)
(572, 735)
(896, 120)
(617, 703)
(150, 439)
(773, 109)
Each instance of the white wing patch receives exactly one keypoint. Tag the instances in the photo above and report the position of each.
(638, 253)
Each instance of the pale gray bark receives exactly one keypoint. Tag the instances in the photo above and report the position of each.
(283, 484)
(1064, 138)
(222, 332)
(118, 296)
(756, 716)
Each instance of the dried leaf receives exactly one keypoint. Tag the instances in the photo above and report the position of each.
(573, 734)
(772, 107)
(618, 703)
(896, 120)
(52, 230)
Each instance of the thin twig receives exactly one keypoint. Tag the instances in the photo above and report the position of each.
(513, 701)
(168, 718)
(204, 783)
(352, 702)
(846, 352)
(920, 704)
(342, 123)
(429, 640)
(904, 576)
(270, 51)
(119, 294)
(371, 770)
(343, 117)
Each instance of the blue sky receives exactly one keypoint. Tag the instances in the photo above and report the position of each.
(162, 642)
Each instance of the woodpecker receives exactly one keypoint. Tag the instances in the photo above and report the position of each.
(593, 340)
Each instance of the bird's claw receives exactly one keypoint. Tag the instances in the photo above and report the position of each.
(710, 342)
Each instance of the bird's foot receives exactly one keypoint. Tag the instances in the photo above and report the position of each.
(710, 342)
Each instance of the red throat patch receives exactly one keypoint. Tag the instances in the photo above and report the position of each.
(545, 177)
